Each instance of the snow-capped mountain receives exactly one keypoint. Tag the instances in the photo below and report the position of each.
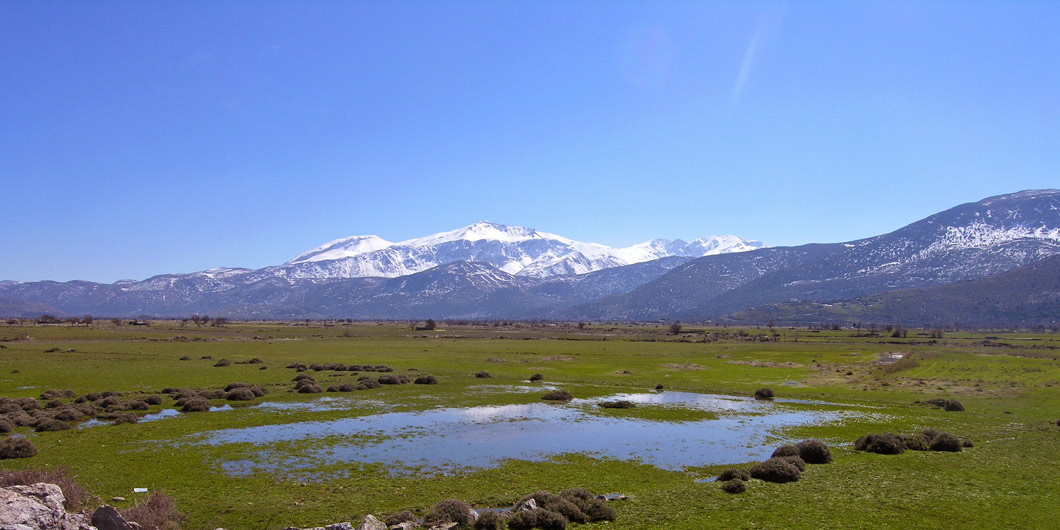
(513, 249)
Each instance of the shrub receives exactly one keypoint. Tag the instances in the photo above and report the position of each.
(196, 404)
(240, 394)
(598, 510)
(884, 444)
(16, 447)
(125, 418)
(426, 380)
(76, 496)
(786, 450)
(483, 375)
(230, 386)
(20, 418)
(69, 415)
(796, 461)
(301, 377)
(222, 363)
(764, 394)
(204, 357)
(734, 486)
(5, 426)
(659, 387)
(156, 512)
(368, 384)
(734, 473)
(111, 401)
(52, 425)
(945, 442)
(538, 518)
(310, 389)
(304, 382)
(776, 470)
(212, 394)
(403, 516)
(390, 380)
(814, 452)
(52, 394)
(489, 520)
(949, 405)
(916, 442)
(620, 404)
(558, 395)
(53, 404)
(965, 442)
(450, 511)
(153, 400)
(536, 377)
(259, 390)
(137, 404)
(28, 404)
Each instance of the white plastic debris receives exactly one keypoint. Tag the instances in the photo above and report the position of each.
(139, 490)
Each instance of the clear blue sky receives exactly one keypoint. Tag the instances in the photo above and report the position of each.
(139, 138)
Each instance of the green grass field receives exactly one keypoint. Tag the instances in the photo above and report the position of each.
(1009, 384)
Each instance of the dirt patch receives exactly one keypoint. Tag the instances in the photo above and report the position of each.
(766, 364)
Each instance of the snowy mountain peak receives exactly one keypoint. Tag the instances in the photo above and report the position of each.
(513, 249)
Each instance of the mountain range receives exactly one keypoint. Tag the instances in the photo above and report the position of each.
(492, 271)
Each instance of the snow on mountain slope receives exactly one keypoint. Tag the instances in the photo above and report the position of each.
(513, 249)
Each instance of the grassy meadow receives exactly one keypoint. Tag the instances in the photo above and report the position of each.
(1009, 384)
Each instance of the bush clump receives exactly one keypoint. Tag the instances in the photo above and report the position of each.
(75, 495)
(196, 404)
(537, 518)
(240, 394)
(536, 377)
(125, 418)
(391, 379)
(734, 486)
(404, 516)
(70, 414)
(814, 452)
(311, 388)
(483, 375)
(734, 473)
(153, 400)
(450, 511)
(786, 450)
(945, 442)
(778, 470)
(764, 394)
(5, 426)
(619, 404)
(796, 461)
(949, 405)
(16, 447)
(489, 520)
(884, 444)
(558, 395)
(426, 380)
(51, 425)
(222, 363)
(157, 511)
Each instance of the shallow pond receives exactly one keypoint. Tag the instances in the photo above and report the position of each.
(454, 439)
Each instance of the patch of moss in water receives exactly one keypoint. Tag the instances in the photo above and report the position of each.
(441, 440)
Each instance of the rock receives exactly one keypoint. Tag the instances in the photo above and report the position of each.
(107, 518)
(407, 525)
(530, 504)
(371, 523)
(339, 526)
(117, 499)
(37, 507)
(444, 526)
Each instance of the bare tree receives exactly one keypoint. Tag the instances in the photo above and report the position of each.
(675, 328)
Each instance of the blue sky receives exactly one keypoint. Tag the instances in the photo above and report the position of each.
(141, 138)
